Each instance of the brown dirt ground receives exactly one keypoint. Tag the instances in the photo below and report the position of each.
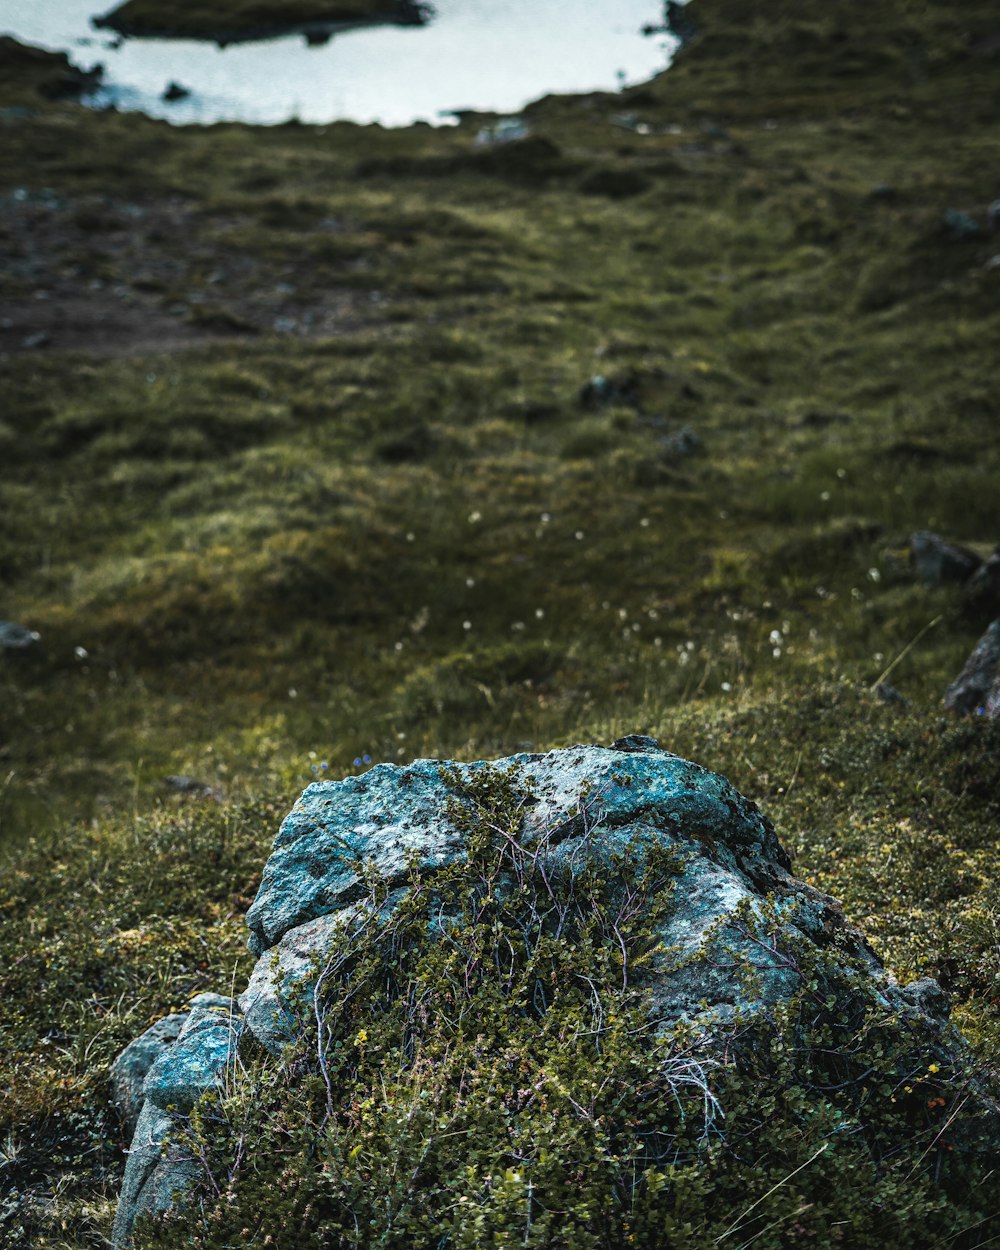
(119, 278)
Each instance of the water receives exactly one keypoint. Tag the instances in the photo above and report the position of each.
(494, 55)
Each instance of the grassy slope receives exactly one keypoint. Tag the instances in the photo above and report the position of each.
(222, 527)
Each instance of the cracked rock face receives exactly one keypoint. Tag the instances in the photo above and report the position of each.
(169, 1066)
(391, 814)
(728, 854)
(735, 904)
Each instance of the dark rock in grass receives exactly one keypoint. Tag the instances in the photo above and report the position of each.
(177, 1060)
(182, 784)
(680, 444)
(15, 637)
(938, 561)
(982, 590)
(976, 682)
(600, 392)
(175, 92)
(614, 182)
(959, 226)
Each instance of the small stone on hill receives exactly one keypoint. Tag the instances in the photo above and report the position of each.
(938, 561)
(15, 637)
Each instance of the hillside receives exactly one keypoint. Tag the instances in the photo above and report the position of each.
(323, 446)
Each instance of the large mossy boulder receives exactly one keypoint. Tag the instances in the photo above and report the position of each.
(567, 995)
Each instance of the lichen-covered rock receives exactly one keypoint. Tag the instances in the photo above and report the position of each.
(971, 688)
(588, 802)
(179, 1058)
(734, 935)
(391, 818)
(128, 1072)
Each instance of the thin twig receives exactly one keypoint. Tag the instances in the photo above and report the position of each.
(904, 653)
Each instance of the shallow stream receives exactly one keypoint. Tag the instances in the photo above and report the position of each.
(491, 55)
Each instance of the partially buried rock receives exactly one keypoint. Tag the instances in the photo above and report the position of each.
(982, 590)
(128, 1072)
(14, 637)
(727, 937)
(159, 1076)
(937, 560)
(976, 682)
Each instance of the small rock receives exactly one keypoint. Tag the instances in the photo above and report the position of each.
(506, 130)
(982, 590)
(174, 91)
(41, 338)
(961, 226)
(889, 694)
(128, 1072)
(191, 785)
(636, 742)
(680, 444)
(938, 561)
(977, 681)
(15, 637)
(179, 1071)
(600, 392)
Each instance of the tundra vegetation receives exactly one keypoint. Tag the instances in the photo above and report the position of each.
(324, 445)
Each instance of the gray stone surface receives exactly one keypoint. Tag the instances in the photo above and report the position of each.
(281, 984)
(390, 814)
(184, 1056)
(991, 708)
(128, 1072)
(971, 688)
(598, 801)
